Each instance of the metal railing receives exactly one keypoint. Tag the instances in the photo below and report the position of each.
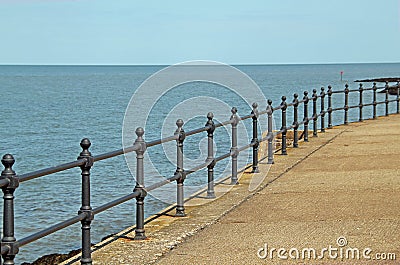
(9, 180)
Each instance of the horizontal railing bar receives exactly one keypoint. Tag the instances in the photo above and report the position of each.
(369, 88)
(290, 127)
(336, 109)
(160, 141)
(222, 157)
(246, 117)
(220, 124)
(52, 229)
(277, 108)
(301, 123)
(369, 104)
(111, 154)
(290, 104)
(337, 91)
(392, 100)
(51, 170)
(263, 112)
(4, 182)
(353, 90)
(198, 130)
(245, 147)
(196, 168)
(354, 106)
(162, 183)
(116, 202)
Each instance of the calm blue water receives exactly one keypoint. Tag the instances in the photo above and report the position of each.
(47, 110)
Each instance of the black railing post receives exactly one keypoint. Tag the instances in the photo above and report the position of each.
(346, 104)
(329, 106)
(234, 148)
(360, 105)
(86, 208)
(255, 138)
(374, 88)
(139, 229)
(270, 134)
(305, 119)
(8, 241)
(387, 99)
(210, 155)
(315, 117)
(180, 133)
(322, 109)
(295, 121)
(283, 128)
(398, 97)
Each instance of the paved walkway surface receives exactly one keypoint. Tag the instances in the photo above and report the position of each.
(337, 194)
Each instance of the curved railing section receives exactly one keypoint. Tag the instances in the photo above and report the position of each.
(314, 116)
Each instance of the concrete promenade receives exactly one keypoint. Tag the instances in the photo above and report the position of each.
(343, 185)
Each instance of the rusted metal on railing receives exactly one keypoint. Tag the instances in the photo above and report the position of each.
(9, 181)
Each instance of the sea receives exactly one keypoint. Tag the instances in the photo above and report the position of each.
(47, 110)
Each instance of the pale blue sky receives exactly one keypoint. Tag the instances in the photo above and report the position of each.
(168, 32)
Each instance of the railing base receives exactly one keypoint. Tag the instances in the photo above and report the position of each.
(210, 195)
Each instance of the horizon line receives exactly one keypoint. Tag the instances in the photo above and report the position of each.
(233, 64)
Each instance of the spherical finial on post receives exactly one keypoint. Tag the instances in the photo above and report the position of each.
(234, 110)
(346, 85)
(314, 91)
(361, 85)
(139, 132)
(295, 95)
(179, 123)
(210, 116)
(269, 107)
(322, 89)
(85, 144)
(255, 110)
(7, 161)
(305, 93)
(283, 98)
